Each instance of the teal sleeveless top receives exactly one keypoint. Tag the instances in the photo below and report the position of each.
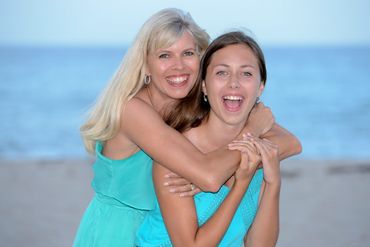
(128, 181)
(153, 231)
(124, 194)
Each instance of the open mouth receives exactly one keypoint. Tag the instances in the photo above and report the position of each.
(233, 103)
(178, 81)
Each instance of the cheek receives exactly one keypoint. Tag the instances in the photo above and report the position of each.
(194, 64)
(213, 92)
(253, 88)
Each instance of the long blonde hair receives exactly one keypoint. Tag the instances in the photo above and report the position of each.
(159, 31)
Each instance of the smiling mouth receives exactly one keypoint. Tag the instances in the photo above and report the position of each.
(178, 81)
(233, 103)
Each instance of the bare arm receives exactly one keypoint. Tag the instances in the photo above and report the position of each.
(288, 144)
(265, 228)
(145, 127)
(179, 213)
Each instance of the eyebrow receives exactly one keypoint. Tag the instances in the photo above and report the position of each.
(243, 66)
(186, 49)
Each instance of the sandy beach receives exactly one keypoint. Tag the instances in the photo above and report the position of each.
(323, 203)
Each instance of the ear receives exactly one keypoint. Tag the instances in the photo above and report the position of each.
(204, 89)
(260, 90)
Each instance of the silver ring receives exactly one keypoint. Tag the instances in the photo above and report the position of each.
(192, 186)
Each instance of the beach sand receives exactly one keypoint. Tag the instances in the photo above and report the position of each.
(323, 203)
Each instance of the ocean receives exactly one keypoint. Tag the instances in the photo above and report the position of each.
(321, 94)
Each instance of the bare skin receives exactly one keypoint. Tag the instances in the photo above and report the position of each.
(179, 214)
(264, 231)
(148, 131)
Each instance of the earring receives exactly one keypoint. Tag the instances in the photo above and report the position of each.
(147, 79)
(205, 98)
(257, 100)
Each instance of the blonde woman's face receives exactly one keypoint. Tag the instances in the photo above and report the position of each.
(174, 69)
(232, 84)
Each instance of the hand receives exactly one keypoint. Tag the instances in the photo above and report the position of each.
(270, 159)
(260, 120)
(179, 185)
(249, 159)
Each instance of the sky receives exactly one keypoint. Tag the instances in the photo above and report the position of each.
(116, 22)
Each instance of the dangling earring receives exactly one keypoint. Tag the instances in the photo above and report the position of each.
(205, 98)
(257, 100)
(147, 79)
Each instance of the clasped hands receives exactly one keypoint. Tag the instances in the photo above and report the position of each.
(253, 151)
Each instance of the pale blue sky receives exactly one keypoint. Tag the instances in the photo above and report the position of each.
(114, 22)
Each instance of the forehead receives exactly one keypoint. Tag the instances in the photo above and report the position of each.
(237, 53)
(169, 41)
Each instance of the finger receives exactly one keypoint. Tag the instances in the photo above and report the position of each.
(244, 161)
(261, 147)
(247, 139)
(172, 175)
(190, 193)
(272, 149)
(247, 135)
(243, 148)
(266, 140)
(242, 143)
(183, 188)
(175, 182)
(270, 144)
(252, 148)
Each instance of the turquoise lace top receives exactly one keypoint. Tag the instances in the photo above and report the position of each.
(153, 232)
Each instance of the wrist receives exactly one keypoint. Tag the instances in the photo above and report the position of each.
(242, 184)
(274, 186)
(253, 129)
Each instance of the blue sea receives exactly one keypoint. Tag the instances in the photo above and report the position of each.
(321, 94)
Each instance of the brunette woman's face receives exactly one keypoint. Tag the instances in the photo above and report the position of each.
(233, 83)
(174, 69)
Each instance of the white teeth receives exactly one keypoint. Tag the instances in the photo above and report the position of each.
(179, 79)
(231, 97)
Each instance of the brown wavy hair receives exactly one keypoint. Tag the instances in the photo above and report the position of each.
(192, 110)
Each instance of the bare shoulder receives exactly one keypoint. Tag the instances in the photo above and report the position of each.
(139, 121)
(137, 109)
(137, 103)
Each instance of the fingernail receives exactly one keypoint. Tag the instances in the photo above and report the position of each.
(182, 195)
(165, 183)
(172, 190)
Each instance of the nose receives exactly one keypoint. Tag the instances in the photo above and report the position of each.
(178, 62)
(234, 82)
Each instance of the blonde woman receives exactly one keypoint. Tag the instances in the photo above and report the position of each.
(125, 131)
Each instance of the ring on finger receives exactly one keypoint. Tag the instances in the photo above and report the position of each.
(192, 187)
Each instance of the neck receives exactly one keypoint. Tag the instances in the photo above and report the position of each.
(158, 102)
(214, 134)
